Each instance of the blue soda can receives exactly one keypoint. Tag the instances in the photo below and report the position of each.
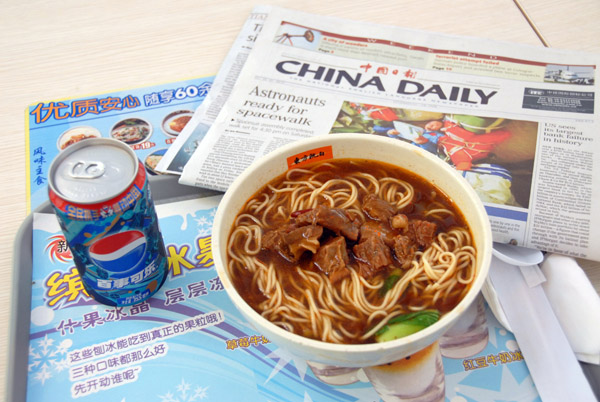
(99, 191)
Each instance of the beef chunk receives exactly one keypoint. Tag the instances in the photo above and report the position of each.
(404, 250)
(378, 209)
(273, 240)
(302, 239)
(332, 255)
(338, 275)
(334, 219)
(372, 255)
(332, 259)
(291, 241)
(422, 232)
(372, 228)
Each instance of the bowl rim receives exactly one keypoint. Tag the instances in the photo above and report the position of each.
(330, 139)
(61, 138)
(164, 126)
(143, 120)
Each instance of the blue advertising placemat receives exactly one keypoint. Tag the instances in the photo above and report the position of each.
(148, 119)
(189, 343)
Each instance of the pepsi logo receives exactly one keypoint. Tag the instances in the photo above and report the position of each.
(120, 253)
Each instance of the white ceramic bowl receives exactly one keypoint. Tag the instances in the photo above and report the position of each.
(77, 133)
(366, 147)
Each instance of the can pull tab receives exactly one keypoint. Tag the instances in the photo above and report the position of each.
(87, 170)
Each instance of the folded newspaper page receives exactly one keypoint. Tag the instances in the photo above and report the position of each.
(518, 122)
(187, 141)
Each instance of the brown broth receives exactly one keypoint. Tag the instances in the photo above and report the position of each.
(426, 195)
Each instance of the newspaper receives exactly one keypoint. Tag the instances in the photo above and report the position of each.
(518, 122)
(186, 143)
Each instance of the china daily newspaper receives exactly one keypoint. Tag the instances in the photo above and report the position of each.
(518, 122)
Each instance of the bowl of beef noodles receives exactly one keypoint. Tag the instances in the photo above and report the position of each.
(351, 250)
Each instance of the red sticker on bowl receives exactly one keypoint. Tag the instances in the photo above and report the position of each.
(313, 155)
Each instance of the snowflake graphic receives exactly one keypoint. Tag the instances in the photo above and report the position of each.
(204, 225)
(184, 393)
(283, 359)
(46, 359)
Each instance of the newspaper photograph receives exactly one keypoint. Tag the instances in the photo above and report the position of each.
(187, 141)
(518, 122)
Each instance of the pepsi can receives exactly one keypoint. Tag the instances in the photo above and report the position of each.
(99, 191)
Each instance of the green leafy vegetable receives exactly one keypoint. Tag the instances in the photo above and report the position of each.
(407, 324)
(424, 318)
(390, 281)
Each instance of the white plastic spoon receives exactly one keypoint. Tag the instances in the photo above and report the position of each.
(519, 256)
(527, 259)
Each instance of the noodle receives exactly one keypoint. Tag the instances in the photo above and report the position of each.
(305, 301)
